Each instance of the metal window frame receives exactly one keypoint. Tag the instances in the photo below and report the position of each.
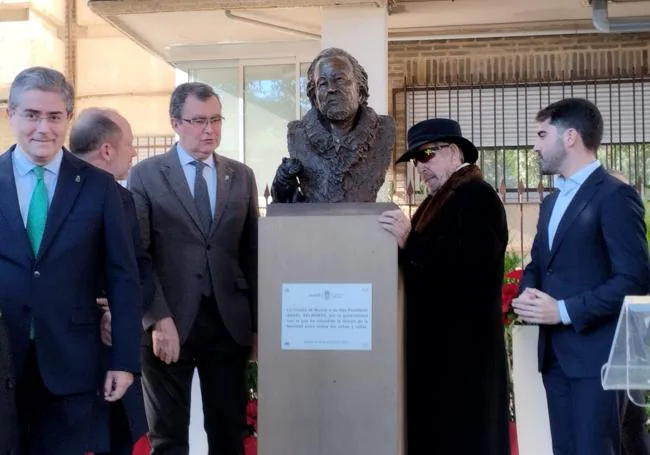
(192, 67)
(477, 107)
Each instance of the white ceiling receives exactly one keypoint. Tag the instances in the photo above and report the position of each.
(167, 32)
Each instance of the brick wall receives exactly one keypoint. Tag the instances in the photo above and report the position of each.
(506, 60)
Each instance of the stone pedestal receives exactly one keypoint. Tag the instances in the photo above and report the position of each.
(330, 332)
(531, 411)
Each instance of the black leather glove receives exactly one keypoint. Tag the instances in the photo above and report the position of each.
(285, 187)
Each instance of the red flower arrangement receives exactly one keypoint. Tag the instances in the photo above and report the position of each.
(250, 442)
(509, 291)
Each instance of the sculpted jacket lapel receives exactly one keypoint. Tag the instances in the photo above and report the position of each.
(224, 181)
(68, 186)
(9, 206)
(173, 173)
(577, 205)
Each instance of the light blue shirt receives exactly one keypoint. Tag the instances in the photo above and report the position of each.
(568, 188)
(26, 178)
(209, 174)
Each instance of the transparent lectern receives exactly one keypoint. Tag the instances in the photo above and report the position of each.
(628, 366)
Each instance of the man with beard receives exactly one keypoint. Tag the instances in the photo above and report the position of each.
(341, 149)
(451, 255)
(589, 252)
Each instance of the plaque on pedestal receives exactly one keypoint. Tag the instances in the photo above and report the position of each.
(628, 366)
(330, 332)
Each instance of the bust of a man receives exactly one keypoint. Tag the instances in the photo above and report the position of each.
(341, 149)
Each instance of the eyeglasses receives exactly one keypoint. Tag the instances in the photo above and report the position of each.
(52, 118)
(203, 121)
(428, 153)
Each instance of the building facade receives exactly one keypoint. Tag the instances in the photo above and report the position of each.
(107, 68)
(486, 63)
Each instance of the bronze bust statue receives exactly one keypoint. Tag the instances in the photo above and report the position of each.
(341, 149)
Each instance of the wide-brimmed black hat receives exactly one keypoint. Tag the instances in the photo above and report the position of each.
(438, 130)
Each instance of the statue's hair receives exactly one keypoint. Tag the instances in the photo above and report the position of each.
(358, 72)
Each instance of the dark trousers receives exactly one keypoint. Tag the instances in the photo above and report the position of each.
(8, 416)
(633, 425)
(221, 364)
(584, 418)
(49, 424)
(121, 440)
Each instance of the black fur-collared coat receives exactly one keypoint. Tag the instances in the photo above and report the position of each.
(456, 371)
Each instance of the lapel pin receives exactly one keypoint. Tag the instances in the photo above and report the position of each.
(77, 179)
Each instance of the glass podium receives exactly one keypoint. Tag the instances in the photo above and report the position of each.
(628, 366)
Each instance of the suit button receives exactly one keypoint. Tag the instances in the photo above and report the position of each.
(208, 247)
(37, 274)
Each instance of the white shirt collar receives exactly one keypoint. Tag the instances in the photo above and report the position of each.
(186, 158)
(577, 179)
(24, 163)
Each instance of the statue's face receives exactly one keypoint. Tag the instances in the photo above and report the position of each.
(337, 93)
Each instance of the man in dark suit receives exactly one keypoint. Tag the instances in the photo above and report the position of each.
(103, 138)
(63, 231)
(198, 215)
(590, 252)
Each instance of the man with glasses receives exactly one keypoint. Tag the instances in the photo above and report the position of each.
(63, 231)
(452, 254)
(198, 219)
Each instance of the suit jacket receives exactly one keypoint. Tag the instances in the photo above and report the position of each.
(171, 233)
(599, 256)
(142, 258)
(85, 236)
(133, 400)
(8, 427)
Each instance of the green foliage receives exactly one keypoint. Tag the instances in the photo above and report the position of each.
(251, 379)
(511, 261)
(647, 222)
(647, 236)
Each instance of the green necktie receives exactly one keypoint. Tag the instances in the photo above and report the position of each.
(37, 210)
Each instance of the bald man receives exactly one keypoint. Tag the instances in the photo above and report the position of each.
(104, 139)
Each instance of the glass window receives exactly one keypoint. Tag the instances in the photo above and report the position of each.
(225, 82)
(269, 104)
(305, 105)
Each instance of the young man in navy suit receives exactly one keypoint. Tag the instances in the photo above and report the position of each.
(63, 231)
(589, 252)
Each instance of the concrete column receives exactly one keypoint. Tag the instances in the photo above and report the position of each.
(363, 32)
